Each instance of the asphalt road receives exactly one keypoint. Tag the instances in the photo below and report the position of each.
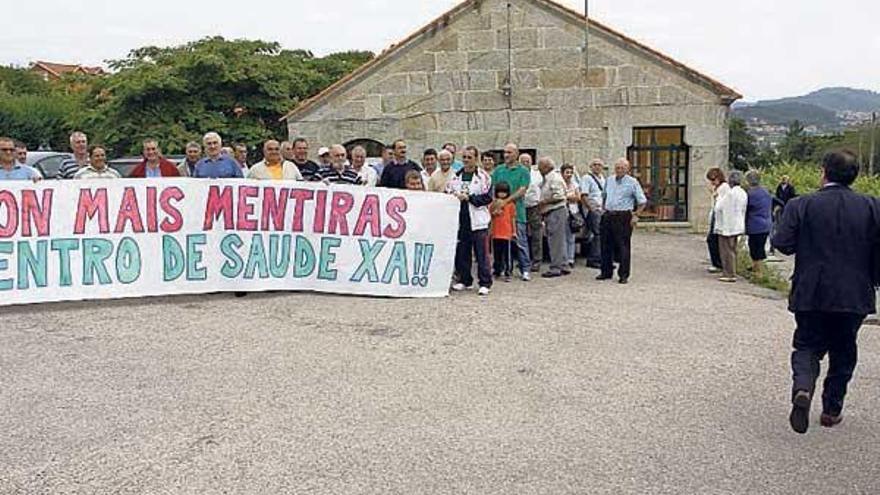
(673, 384)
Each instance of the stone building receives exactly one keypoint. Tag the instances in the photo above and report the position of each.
(492, 71)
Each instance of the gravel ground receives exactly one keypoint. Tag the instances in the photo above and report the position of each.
(672, 384)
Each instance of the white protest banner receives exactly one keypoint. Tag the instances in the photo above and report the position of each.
(103, 239)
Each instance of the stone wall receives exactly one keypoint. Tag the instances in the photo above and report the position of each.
(447, 85)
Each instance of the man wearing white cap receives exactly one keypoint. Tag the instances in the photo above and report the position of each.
(324, 157)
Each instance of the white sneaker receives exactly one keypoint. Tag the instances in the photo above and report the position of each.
(484, 291)
(526, 277)
(459, 287)
(713, 269)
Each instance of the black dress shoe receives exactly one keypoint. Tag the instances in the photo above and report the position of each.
(799, 419)
(551, 274)
(623, 280)
(830, 421)
(603, 277)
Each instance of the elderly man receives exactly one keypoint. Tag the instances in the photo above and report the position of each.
(79, 144)
(555, 214)
(187, 166)
(21, 153)
(307, 168)
(324, 158)
(287, 150)
(453, 148)
(368, 174)
(216, 165)
(338, 171)
(240, 153)
(394, 175)
(97, 167)
(518, 178)
(533, 212)
(834, 235)
(441, 176)
(592, 192)
(623, 194)
(274, 166)
(10, 169)
(154, 164)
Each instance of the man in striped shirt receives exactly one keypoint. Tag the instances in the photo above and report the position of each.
(339, 172)
(79, 143)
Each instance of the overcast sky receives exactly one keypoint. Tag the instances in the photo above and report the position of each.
(763, 48)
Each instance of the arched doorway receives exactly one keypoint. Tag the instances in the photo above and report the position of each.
(374, 148)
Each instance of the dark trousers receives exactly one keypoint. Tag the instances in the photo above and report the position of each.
(471, 245)
(714, 248)
(616, 239)
(502, 250)
(593, 248)
(817, 334)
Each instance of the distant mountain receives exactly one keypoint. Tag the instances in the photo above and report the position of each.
(784, 113)
(836, 99)
(828, 108)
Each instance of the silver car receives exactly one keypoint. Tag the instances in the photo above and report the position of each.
(47, 162)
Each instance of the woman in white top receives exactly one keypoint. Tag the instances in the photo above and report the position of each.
(718, 188)
(730, 223)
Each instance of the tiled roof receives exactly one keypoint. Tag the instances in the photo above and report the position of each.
(59, 69)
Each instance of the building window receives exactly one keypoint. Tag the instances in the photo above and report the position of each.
(660, 159)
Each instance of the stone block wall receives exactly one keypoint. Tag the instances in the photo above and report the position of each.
(449, 85)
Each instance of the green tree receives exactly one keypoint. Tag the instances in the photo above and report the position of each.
(15, 81)
(744, 152)
(33, 110)
(797, 146)
(237, 88)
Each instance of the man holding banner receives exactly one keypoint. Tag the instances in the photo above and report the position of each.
(472, 186)
(216, 165)
(274, 166)
(9, 169)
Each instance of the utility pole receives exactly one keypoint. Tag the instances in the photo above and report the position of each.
(586, 39)
(873, 143)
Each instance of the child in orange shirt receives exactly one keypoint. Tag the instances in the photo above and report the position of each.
(503, 232)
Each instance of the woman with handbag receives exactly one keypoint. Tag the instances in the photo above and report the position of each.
(575, 219)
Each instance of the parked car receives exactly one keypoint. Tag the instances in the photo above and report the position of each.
(126, 165)
(47, 162)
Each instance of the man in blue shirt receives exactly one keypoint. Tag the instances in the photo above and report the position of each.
(10, 169)
(623, 195)
(457, 165)
(216, 165)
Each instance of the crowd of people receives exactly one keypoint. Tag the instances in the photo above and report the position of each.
(508, 210)
(742, 206)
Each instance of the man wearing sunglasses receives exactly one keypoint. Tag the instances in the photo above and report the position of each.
(10, 169)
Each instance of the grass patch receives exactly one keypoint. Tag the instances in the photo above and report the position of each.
(770, 278)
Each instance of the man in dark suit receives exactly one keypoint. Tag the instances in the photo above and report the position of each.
(834, 235)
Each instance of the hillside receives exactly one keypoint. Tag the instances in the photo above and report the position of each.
(836, 99)
(783, 113)
(828, 108)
